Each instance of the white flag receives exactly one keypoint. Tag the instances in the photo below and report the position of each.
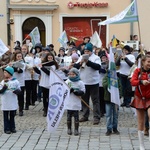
(59, 92)
(35, 36)
(63, 39)
(95, 40)
(130, 14)
(3, 48)
(113, 87)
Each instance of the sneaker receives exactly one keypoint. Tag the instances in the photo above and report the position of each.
(8, 132)
(13, 131)
(123, 105)
(83, 119)
(26, 107)
(20, 113)
(116, 132)
(108, 133)
(96, 122)
(128, 106)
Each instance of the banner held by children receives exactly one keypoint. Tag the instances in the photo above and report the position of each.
(59, 92)
(112, 80)
(3, 48)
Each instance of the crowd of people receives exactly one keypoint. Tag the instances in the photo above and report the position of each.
(85, 70)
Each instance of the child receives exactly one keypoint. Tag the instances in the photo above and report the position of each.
(111, 109)
(44, 71)
(73, 105)
(19, 68)
(10, 88)
(141, 101)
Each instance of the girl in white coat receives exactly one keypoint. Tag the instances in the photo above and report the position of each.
(73, 105)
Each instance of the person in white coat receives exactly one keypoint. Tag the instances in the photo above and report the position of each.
(9, 90)
(73, 105)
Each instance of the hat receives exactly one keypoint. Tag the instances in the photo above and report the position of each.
(89, 47)
(38, 45)
(62, 48)
(18, 42)
(10, 70)
(75, 56)
(127, 48)
(74, 48)
(51, 45)
(75, 71)
(101, 54)
(17, 48)
(47, 48)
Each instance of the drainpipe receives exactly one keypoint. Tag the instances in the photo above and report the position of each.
(131, 28)
(8, 23)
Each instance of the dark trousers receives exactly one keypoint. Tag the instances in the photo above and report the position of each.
(101, 100)
(9, 120)
(71, 113)
(31, 91)
(93, 92)
(21, 100)
(126, 87)
(45, 98)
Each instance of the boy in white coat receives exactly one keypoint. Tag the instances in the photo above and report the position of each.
(73, 105)
(9, 90)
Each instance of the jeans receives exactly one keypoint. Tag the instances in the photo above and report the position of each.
(9, 120)
(93, 91)
(126, 86)
(111, 116)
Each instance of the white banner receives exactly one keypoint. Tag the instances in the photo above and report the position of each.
(35, 36)
(59, 92)
(113, 87)
(95, 40)
(3, 48)
(63, 39)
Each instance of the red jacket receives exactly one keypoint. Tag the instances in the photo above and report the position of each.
(135, 81)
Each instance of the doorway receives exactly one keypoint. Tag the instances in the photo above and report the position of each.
(29, 24)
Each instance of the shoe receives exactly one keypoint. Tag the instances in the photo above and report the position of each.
(116, 132)
(83, 119)
(146, 133)
(96, 122)
(102, 115)
(20, 113)
(123, 105)
(44, 114)
(128, 106)
(13, 131)
(8, 132)
(108, 133)
(27, 108)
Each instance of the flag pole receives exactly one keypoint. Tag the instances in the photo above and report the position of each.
(69, 88)
(26, 38)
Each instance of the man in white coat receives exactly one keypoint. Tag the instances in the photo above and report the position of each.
(89, 65)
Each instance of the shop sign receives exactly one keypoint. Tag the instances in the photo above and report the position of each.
(87, 5)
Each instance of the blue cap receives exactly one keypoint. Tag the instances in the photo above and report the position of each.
(89, 46)
(10, 70)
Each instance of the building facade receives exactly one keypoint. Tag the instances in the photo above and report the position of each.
(78, 18)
